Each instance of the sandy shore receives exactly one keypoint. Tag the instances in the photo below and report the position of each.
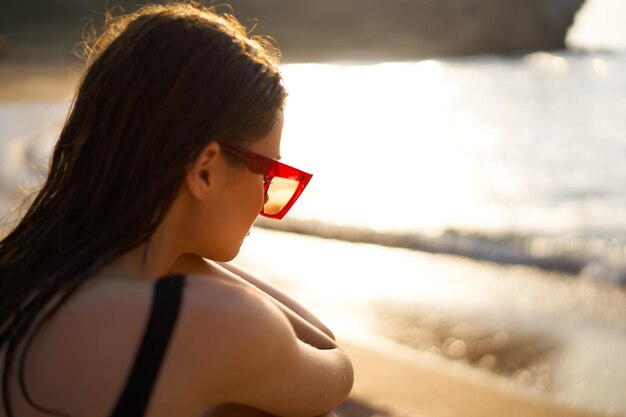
(387, 384)
(24, 81)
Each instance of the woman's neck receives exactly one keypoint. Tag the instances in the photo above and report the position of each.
(153, 258)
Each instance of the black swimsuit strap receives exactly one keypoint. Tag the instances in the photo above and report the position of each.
(166, 301)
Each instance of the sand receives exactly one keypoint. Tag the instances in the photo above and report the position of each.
(391, 386)
(386, 384)
(34, 81)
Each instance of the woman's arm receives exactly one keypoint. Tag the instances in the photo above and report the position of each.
(254, 358)
(307, 327)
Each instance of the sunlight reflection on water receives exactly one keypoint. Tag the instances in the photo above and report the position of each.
(530, 144)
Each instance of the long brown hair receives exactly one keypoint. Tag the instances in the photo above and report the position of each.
(161, 83)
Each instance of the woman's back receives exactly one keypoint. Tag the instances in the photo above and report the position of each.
(80, 361)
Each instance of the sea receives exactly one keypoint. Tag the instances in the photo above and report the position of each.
(469, 210)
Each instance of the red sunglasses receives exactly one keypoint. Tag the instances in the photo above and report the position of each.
(283, 183)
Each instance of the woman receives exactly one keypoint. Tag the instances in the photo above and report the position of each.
(115, 297)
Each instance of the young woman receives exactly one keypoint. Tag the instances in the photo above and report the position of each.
(115, 298)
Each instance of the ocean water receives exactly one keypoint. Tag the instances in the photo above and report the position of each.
(515, 160)
(499, 179)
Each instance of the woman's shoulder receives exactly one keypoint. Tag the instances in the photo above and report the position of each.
(226, 334)
(205, 294)
(244, 350)
(230, 318)
(208, 303)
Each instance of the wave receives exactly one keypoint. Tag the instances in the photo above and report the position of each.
(589, 258)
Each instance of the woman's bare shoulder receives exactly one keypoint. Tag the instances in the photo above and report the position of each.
(209, 304)
(243, 350)
(225, 335)
(218, 310)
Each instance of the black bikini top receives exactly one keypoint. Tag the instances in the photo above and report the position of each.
(166, 301)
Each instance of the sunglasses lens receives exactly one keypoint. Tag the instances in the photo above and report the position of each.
(279, 193)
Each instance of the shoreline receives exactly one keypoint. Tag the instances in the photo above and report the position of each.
(477, 306)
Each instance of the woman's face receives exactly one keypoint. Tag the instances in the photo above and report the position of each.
(241, 197)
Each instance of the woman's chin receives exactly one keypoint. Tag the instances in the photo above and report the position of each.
(226, 255)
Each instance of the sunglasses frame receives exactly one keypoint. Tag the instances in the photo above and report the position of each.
(270, 168)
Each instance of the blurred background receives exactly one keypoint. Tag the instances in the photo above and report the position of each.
(468, 161)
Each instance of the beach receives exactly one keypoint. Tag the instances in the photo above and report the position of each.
(392, 379)
(396, 373)
(388, 386)
(464, 233)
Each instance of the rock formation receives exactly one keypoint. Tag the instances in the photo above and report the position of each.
(309, 30)
(354, 29)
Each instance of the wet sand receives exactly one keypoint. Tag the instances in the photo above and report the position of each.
(387, 386)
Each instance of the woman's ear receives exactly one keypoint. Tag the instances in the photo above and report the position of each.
(202, 169)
